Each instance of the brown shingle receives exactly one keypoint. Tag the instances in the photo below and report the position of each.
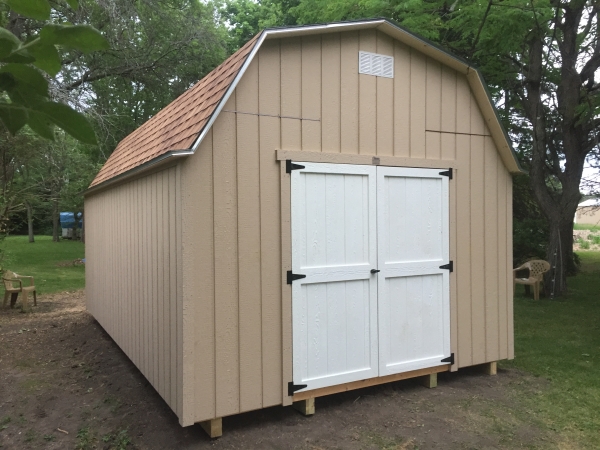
(176, 126)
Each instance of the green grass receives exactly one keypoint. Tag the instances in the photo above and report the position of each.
(585, 226)
(44, 260)
(559, 340)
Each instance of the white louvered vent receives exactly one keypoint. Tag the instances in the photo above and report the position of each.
(375, 64)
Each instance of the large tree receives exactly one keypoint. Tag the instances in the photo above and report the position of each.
(540, 59)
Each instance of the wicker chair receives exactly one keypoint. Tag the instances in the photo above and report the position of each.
(11, 279)
(537, 268)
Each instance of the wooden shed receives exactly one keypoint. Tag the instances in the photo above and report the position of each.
(330, 208)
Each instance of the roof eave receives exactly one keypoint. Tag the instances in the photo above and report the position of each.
(159, 161)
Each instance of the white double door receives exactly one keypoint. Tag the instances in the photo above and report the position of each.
(370, 241)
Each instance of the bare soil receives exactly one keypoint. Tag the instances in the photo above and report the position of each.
(64, 383)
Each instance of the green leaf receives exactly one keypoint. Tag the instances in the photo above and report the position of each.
(80, 37)
(19, 57)
(74, 4)
(46, 57)
(7, 82)
(8, 42)
(36, 9)
(27, 78)
(13, 117)
(71, 121)
(41, 124)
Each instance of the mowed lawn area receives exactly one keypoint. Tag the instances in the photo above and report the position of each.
(559, 340)
(50, 263)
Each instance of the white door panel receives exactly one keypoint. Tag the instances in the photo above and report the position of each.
(334, 244)
(413, 292)
(349, 324)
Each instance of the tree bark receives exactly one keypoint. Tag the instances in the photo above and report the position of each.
(30, 221)
(55, 221)
(560, 256)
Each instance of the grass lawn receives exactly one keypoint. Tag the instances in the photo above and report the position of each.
(559, 340)
(47, 261)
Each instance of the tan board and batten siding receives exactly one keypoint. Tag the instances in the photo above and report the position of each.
(225, 324)
(133, 275)
(304, 95)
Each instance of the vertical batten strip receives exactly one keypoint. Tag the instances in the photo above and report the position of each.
(477, 244)
(270, 213)
(291, 93)
(196, 273)
(463, 252)
(491, 250)
(226, 262)
(402, 87)
(349, 81)
(418, 67)
(311, 93)
(184, 384)
(433, 95)
(509, 262)
(453, 190)
(385, 101)
(367, 99)
(160, 281)
(503, 275)
(331, 93)
(249, 239)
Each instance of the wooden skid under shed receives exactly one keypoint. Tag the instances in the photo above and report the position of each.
(368, 382)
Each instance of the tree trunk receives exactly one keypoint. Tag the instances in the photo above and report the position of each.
(30, 221)
(560, 257)
(55, 221)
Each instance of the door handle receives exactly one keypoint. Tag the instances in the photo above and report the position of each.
(375, 270)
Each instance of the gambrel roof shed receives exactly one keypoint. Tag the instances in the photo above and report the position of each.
(179, 128)
(330, 208)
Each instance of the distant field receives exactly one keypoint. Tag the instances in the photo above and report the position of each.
(50, 263)
(584, 226)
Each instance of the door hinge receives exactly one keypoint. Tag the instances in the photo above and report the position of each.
(295, 387)
(289, 166)
(447, 173)
(293, 276)
(449, 266)
(449, 359)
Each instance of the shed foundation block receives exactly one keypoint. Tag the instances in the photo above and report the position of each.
(490, 368)
(214, 427)
(429, 381)
(305, 407)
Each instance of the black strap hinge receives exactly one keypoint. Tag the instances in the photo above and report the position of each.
(289, 166)
(447, 173)
(449, 359)
(449, 266)
(294, 387)
(293, 276)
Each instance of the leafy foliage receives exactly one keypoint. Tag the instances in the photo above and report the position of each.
(25, 98)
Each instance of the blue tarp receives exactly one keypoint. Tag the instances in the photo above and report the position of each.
(67, 220)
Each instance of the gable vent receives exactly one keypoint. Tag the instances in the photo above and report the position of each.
(375, 64)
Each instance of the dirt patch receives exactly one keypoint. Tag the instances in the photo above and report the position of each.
(60, 370)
